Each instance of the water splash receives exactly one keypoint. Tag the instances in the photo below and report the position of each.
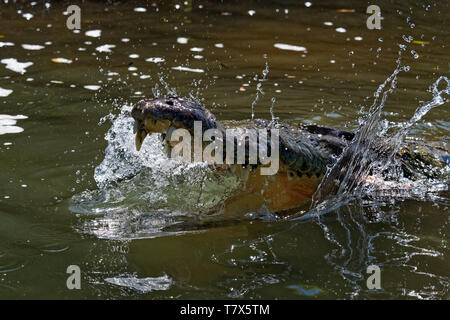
(373, 148)
(141, 194)
(259, 90)
(272, 114)
(169, 91)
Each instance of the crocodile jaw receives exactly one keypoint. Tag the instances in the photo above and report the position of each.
(143, 128)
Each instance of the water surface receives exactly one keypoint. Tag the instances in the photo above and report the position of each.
(66, 145)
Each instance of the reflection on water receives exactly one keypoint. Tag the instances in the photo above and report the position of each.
(143, 285)
(361, 237)
(135, 222)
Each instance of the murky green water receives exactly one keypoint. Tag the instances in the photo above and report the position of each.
(114, 234)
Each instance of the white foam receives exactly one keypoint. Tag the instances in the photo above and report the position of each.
(17, 117)
(32, 47)
(61, 60)
(155, 59)
(10, 129)
(5, 92)
(93, 33)
(92, 87)
(290, 47)
(6, 44)
(180, 68)
(105, 48)
(182, 40)
(140, 9)
(16, 66)
(7, 123)
(27, 16)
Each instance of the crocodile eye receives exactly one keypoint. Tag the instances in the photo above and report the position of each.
(169, 102)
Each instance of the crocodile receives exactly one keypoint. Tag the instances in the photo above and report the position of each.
(305, 152)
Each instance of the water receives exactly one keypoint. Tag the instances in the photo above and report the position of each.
(75, 191)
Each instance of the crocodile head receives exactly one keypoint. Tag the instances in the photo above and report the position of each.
(164, 114)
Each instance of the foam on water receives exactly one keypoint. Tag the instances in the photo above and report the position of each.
(8, 123)
(16, 66)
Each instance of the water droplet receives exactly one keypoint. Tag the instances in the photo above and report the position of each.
(407, 39)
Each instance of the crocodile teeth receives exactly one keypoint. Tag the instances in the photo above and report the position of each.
(167, 150)
(140, 136)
